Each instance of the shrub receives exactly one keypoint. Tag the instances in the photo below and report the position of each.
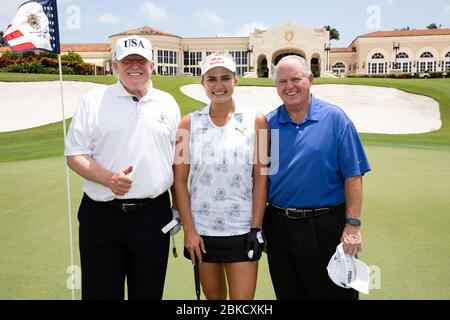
(315, 70)
(46, 63)
(388, 75)
(27, 67)
(11, 55)
(72, 57)
(438, 74)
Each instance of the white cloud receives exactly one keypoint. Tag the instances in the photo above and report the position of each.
(248, 28)
(153, 11)
(390, 2)
(207, 18)
(109, 18)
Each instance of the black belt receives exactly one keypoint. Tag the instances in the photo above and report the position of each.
(295, 213)
(130, 205)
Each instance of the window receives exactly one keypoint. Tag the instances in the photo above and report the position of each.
(381, 68)
(431, 66)
(446, 62)
(406, 67)
(377, 56)
(447, 66)
(167, 63)
(191, 62)
(376, 66)
(338, 68)
(240, 58)
(427, 66)
(426, 54)
(167, 71)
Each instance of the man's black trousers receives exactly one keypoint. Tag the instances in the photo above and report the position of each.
(298, 252)
(116, 246)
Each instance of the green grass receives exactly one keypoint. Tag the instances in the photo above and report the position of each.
(47, 141)
(405, 230)
(34, 236)
(406, 205)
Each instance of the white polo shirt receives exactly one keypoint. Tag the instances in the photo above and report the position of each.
(117, 132)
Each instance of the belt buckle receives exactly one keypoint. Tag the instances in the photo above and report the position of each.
(286, 211)
(307, 213)
(128, 207)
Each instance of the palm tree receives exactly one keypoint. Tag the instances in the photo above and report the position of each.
(2, 41)
(334, 34)
(434, 26)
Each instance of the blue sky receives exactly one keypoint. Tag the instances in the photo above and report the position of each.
(93, 21)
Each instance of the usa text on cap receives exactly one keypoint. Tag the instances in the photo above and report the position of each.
(133, 45)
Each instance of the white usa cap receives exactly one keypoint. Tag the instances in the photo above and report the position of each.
(133, 45)
(348, 272)
(218, 60)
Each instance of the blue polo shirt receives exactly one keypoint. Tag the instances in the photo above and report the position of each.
(311, 160)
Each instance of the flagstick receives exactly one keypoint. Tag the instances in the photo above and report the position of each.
(69, 210)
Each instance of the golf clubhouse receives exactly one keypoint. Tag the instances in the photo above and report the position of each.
(380, 52)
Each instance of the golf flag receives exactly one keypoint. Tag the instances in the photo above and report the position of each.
(34, 27)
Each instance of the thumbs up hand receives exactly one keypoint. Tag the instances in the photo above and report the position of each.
(120, 182)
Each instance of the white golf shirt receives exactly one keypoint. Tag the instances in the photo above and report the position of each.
(117, 131)
(221, 178)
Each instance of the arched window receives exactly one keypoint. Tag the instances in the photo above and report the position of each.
(426, 54)
(447, 62)
(339, 65)
(426, 65)
(338, 68)
(378, 56)
(403, 65)
(377, 66)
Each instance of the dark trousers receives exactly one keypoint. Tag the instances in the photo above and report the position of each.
(115, 246)
(298, 252)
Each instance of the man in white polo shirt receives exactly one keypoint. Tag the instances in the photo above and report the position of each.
(121, 141)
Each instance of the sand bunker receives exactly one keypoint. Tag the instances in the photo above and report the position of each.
(372, 109)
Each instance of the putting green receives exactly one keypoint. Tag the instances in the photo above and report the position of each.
(405, 230)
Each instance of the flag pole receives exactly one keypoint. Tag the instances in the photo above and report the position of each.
(69, 208)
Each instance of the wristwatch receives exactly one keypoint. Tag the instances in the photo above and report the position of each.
(353, 221)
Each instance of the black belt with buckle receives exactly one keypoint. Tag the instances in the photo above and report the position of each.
(129, 205)
(295, 213)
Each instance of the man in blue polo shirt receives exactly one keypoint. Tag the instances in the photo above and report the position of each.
(315, 192)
